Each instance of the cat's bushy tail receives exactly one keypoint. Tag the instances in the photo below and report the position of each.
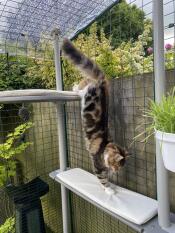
(87, 67)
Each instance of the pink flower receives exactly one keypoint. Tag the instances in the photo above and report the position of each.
(168, 46)
(150, 50)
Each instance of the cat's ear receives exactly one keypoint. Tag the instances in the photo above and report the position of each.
(118, 157)
(126, 154)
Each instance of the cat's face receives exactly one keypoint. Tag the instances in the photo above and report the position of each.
(115, 157)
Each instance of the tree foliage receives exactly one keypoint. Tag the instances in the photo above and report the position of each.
(123, 23)
(8, 226)
(14, 73)
(128, 59)
(131, 55)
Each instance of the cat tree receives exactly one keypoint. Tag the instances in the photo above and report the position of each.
(128, 208)
(133, 209)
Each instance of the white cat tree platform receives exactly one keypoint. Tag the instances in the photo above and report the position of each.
(125, 204)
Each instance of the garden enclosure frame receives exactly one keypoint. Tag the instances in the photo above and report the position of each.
(59, 96)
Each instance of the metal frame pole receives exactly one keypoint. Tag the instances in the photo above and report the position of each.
(61, 134)
(159, 69)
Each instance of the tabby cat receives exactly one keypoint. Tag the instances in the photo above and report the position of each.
(93, 90)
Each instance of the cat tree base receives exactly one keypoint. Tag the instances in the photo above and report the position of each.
(170, 229)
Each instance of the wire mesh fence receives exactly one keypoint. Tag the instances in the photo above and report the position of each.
(125, 116)
(39, 159)
(131, 87)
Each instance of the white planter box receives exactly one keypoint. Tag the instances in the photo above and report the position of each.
(167, 145)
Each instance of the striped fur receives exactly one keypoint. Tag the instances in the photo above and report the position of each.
(94, 111)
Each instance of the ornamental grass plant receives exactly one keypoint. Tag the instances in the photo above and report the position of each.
(159, 116)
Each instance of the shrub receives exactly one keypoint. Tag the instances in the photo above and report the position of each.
(8, 151)
(8, 226)
(159, 116)
(14, 73)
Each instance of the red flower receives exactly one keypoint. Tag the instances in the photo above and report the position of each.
(168, 46)
(150, 50)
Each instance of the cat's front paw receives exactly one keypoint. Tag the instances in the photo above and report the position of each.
(75, 88)
(109, 190)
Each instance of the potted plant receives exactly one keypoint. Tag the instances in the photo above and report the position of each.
(161, 117)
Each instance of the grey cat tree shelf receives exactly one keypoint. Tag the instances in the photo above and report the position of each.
(36, 95)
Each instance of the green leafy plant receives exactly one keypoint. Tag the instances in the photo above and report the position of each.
(8, 226)
(128, 59)
(159, 116)
(14, 73)
(121, 53)
(128, 21)
(8, 151)
(169, 58)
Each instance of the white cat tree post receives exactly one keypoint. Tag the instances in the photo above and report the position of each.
(159, 69)
(61, 134)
